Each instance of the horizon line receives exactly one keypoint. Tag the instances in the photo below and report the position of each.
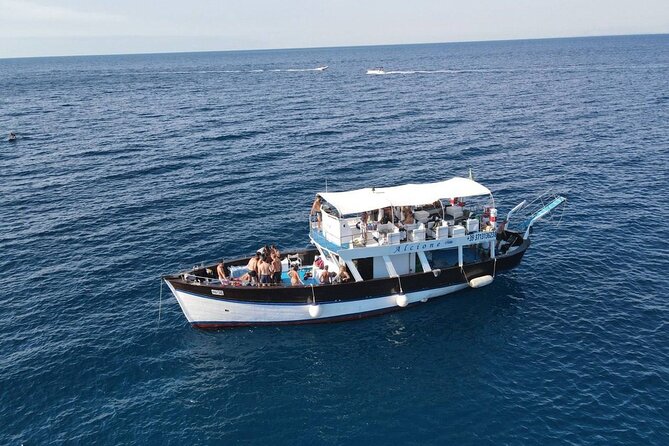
(238, 50)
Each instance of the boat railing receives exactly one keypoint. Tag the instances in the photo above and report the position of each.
(390, 233)
(537, 209)
(213, 281)
(190, 277)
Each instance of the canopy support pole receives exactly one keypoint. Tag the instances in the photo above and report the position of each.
(354, 270)
(390, 267)
(423, 261)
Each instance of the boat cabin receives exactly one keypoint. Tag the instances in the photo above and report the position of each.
(394, 231)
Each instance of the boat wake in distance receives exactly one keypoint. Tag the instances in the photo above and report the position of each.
(320, 68)
(381, 71)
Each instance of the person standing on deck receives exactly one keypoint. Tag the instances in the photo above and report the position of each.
(276, 269)
(264, 271)
(295, 276)
(364, 218)
(253, 268)
(316, 210)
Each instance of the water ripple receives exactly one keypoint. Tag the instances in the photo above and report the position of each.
(129, 167)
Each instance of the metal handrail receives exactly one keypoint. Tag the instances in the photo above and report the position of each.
(349, 239)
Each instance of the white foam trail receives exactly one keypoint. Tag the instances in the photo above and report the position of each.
(323, 68)
(381, 73)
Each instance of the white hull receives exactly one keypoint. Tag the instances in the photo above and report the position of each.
(205, 311)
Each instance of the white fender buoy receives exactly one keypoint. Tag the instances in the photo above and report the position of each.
(314, 310)
(402, 300)
(478, 282)
(424, 299)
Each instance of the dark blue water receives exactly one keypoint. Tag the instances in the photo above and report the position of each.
(129, 167)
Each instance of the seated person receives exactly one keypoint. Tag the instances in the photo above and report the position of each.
(408, 217)
(295, 276)
(388, 216)
(245, 279)
(220, 269)
(324, 277)
(343, 275)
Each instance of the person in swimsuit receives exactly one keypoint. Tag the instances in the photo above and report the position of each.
(275, 250)
(220, 269)
(253, 268)
(276, 269)
(343, 275)
(324, 278)
(408, 217)
(387, 216)
(295, 276)
(316, 210)
(264, 271)
(245, 279)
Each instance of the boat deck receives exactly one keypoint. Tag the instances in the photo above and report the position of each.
(438, 260)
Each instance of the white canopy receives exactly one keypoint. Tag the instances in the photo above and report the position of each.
(362, 200)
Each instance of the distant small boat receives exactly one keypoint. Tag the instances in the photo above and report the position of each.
(322, 68)
(376, 71)
(12, 137)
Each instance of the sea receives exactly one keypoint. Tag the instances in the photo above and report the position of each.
(129, 167)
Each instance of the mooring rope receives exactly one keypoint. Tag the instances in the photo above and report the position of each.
(160, 304)
(462, 269)
(564, 206)
(313, 295)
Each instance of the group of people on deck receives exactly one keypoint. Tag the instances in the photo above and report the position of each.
(400, 217)
(326, 277)
(390, 215)
(264, 269)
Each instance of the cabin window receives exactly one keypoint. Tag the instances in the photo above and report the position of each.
(476, 253)
(418, 263)
(443, 258)
(365, 267)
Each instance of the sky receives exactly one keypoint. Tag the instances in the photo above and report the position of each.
(77, 27)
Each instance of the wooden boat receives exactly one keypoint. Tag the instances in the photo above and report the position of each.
(398, 246)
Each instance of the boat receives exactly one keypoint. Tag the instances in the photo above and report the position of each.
(394, 247)
(376, 71)
(11, 137)
(321, 68)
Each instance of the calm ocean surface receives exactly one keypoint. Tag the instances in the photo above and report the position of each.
(129, 167)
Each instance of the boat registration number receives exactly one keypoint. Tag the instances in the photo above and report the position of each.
(481, 236)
